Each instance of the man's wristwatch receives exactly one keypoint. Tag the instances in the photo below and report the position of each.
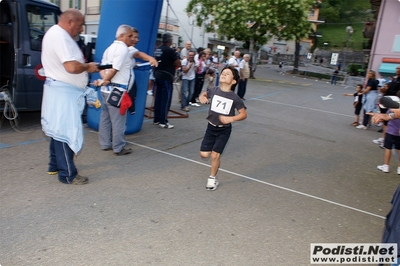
(391, 116)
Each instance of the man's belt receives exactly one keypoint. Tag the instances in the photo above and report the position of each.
(118, 85)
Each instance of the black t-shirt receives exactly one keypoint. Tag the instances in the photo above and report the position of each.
(394, 87)
(373, 83)
(166, 57)
(358, 99)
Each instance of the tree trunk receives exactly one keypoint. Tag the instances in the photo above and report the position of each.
(252, 59)
(296, 58)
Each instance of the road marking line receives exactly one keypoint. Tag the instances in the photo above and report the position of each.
(259, 181)
(302, 107)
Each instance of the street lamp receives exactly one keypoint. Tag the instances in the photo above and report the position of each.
(191, 24)
(349, 30)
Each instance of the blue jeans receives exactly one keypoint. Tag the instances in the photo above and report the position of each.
(333, 81)
(197, 87)
(187, 91)
(162, 102)
(62, 160)
(216, 78)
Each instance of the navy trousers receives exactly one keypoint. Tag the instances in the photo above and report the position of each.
(242, 88)
(162, 102)
(62, 160)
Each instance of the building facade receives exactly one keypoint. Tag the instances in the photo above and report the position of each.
(385, 50)
(92, 8)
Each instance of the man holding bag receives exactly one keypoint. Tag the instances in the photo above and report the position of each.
(116, 81)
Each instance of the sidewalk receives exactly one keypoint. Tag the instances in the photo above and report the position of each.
(348, 81)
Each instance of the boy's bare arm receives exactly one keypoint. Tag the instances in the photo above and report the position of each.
(242, 114)
(203, 98)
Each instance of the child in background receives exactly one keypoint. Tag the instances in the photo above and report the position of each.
(211, 78)
(357, 103)
(392, 138)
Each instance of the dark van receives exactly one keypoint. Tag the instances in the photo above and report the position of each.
(23, 24)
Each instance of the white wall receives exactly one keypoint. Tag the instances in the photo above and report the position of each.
(178, 6)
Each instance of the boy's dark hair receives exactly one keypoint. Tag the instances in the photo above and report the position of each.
(360, 85)
(236, 75)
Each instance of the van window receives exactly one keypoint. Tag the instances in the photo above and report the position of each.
(40, 19)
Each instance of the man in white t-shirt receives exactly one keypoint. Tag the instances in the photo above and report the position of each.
(120, 54)
(184, 52)
(63, 93)
(188, 80)
(235, 60)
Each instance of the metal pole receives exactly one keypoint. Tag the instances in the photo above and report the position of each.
(349, 31)
(166, 17)
(204, 33)
(191, 24)
(345, 52)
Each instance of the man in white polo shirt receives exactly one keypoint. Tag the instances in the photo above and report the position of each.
(120, 54)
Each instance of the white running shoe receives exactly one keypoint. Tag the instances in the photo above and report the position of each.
(378, 141)
(167, 125)
(398, 170)
(384, 168)
(212, 183)
(361, 127)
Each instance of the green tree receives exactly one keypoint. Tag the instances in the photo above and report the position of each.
(345, 11)
(254, 21)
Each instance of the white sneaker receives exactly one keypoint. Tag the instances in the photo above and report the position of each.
(195, 104)
(361, 127)
(149, 92)
(398, 170)
(212, 183)
(167, 125)
(378, 141)
(385, 168)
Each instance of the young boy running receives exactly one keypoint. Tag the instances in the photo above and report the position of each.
(220, 116)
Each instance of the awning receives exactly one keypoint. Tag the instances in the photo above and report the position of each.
(387, 68)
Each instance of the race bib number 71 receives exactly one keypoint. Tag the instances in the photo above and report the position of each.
(221, 105)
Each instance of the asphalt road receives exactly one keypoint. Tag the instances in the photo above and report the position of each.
(295, 172)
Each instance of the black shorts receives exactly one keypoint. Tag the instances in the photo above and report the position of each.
(216, 138)
(391, 140)
(357, 110)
